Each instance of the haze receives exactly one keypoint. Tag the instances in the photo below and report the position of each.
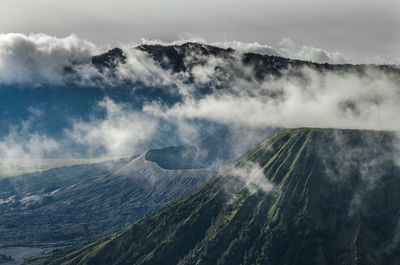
(366, 31)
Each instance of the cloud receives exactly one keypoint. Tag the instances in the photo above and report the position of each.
(285, 48)
(252, 177)
(288, 48)
(20, 149)
(139, 67)
(367, 100)
(19, 146)
(38, 58)
(122, 132)
(247, 176)
(20, 143)
(314, 100)
(343, 100)
(248, 47)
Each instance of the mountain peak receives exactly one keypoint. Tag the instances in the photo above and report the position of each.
(110, 59)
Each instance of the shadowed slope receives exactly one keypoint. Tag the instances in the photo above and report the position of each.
(303, 196)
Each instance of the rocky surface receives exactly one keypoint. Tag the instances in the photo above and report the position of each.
(94, 205)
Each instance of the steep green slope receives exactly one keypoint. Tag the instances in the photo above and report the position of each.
(303, 196)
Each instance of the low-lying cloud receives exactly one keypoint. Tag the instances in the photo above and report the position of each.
(38, 59)
(119, 133)
(236, 97)
(252, 177)
(288, 48)
(285, 48)
(315, 100)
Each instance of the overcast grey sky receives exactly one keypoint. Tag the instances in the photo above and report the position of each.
(364, 30)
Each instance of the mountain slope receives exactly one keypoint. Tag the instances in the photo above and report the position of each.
(90, 206)
(303, 196)
(29, 210)
(77, 204)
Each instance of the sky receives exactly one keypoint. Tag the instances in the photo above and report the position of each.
(365, 31)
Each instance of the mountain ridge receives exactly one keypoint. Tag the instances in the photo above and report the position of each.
(173, 56)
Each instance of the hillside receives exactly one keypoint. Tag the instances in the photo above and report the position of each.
(302, 196)
(77, 204)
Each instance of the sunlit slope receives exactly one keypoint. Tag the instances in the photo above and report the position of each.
(333, 200)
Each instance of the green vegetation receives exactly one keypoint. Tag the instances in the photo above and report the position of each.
(334, 201)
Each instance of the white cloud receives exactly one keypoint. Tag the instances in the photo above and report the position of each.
(315, 100)
(285, 48)
(248, 47)
(252, 177)
(119, 133)
(246, 176)
(38, 58)
(311, 99)
(288, 48)
(20, 145)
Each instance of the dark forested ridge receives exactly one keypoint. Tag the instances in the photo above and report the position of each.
(180, 58)
(324, 196)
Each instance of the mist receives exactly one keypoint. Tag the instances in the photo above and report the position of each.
(250, 177)
(302, 97)
(315, 100)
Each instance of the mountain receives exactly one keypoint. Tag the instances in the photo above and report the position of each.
(32, 209)
(74, 204)
(302, 196)
(92, 204)
(110, 59)
(184, 57)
